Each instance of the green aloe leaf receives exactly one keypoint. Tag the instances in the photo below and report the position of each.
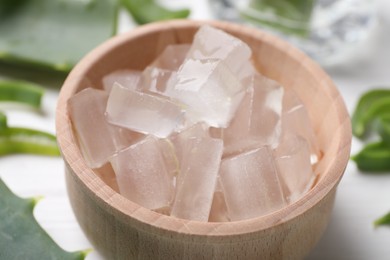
(146, 11)
(382, 221)
(3, 121)
(384, 128)
(371, 105)
(21, 92)
(54, 34)
(17, 140)
(288, 16)
(21, 237)
(374, 158)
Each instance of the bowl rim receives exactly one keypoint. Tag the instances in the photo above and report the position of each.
(130, 212)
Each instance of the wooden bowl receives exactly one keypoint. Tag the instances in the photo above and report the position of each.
(121, 229)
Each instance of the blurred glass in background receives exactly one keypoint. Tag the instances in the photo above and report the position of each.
(327, 30)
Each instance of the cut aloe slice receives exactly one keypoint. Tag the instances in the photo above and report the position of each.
(146, 11)
(54, 34)
(288, 16)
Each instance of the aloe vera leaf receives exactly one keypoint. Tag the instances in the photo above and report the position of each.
(21, 92)
(368, 107)
(3, 121)
(288, 16)
(53, 34)
(377, 109)
(146, 11)
(21, 237)
(384, 220)
(384, 128)
(374, 157)
(15, 140)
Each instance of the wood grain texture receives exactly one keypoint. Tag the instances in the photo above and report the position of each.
(121, 229)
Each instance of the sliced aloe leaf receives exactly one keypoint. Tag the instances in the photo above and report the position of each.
(54, 34)
(384, 128)
(146, 11)
(382, 221)
(3, 121)
(374, 158)
(370, 106)
(15, 140)
(21, 237)
(287, 16)
(21, 92)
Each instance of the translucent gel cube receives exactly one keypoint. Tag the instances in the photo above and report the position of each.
(246, 72)
(155, 79)
(168, 152)
(197, 178)
(296, 120)
(127, 137)
(127, 78)
(218, 212)
(107, 174)
(210, 90)
(251, 184)
(292, 158)
(144, 113)
(142, 174)
(258, 118)
(98, 139)
(172, 57)
(179, 140)
(212, 43)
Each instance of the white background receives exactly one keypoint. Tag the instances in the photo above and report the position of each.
(361, 198)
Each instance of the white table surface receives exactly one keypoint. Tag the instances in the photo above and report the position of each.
(361, 198)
